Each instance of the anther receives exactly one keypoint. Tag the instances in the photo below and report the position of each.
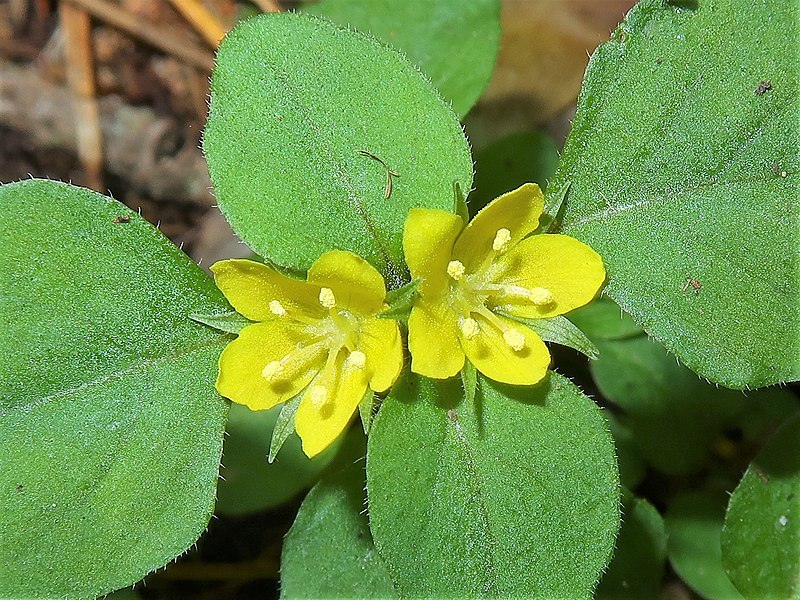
(276, 308)
(272, 371)
(514, 338)
(318, 396)
(455, 268)
(541, 296)
(326, 298)
(356, 360)
(469, 327)
(501, 240)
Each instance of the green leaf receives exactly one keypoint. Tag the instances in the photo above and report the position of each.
(294, 101)
(452, 42)
(460, 203)
(110, 426)
(631, 465)
(507, 163)
(249, 482)
(560, 330)
(284, 426)
(638, 564)
(677, 167)
(640, 376)
(328, 552)
(228, 322)
(553, 206)
(400, 301)
(604, 320)
(366, 408)
(514, 495)
(469, 380)
(761, 537)
(694, 523)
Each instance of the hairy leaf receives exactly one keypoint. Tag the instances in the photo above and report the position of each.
(110, 426)
(683, 169)
(306, 122)
(516, 494)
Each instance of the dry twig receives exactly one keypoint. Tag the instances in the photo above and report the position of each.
(202, 20)
(156, 36)
(76, 26)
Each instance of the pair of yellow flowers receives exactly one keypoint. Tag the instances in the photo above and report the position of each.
(322, 339)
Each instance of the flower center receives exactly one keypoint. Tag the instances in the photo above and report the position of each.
(325, 339)
(470, 293)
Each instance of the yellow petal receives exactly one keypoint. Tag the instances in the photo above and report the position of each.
(517, 211)
(243, 360)
(319, 424)
(355, 283)
(380, 341)
(428, 238)
(250, 287)
(494, 357)
(433, 340)
(569, 269)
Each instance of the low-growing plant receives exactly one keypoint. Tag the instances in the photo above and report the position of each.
(381, 285)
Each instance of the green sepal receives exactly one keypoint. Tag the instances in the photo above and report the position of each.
(366, 409)
(229, 322)
(560, 330)
(400, 301)
(460, 203)
(469, 379)
(552, 207)
(284, 426)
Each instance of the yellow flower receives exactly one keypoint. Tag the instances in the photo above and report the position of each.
(320, 338)
(473, 281)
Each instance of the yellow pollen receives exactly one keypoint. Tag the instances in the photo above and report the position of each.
(326, 298)
(356, 360)
(470, 328)
(514, 338)
(501, 239)
(272, 371)
(318, 396)
(541, 296)
(455, 268)
(276, 308)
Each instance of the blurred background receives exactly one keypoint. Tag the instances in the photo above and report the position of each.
(112, 95)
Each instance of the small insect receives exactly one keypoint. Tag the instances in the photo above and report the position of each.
(453, 415)
(777, 170)
(693, 283)
(387, 190)
(763, 87)
(122, 219)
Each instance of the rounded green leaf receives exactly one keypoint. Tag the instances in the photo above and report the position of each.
(683, 160)
(694, 523)
(250, 483)
(328, 552)
(110, 427)
(307, 120)
(761, 537)
(638, 565)
(516, 494)
(453, 42)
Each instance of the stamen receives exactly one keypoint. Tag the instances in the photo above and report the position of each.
(326, 298)
(501, 240)
(456, 270)
(356, 360)
(318, 395)
(276, 308)
(514, 338)
(541, 296)
(469, 327)
(272, 371)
